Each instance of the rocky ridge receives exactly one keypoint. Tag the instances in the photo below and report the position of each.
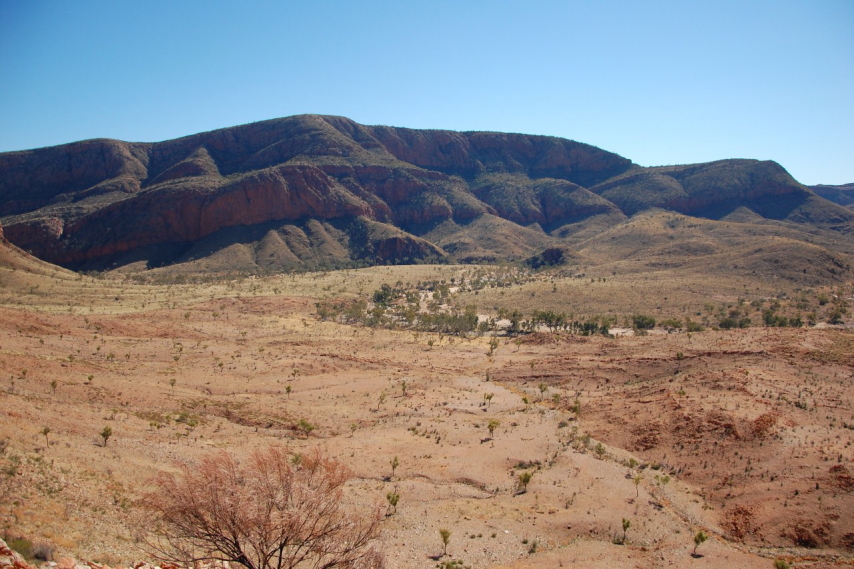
(11, 559)
(325, 191)
(842, 194)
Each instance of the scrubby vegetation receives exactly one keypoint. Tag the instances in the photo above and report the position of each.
(437, 306)
(555, 414)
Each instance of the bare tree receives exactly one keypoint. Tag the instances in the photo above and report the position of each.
(270, 512)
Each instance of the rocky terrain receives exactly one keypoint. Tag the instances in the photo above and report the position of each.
(322, 191)
(742, 433)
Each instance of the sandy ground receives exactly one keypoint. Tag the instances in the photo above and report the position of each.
(744, 434)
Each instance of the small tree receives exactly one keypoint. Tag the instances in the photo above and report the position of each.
(643, 322)
(305, 427)
(524, 479)
(446, 538)
(637, 480)
(492, 425)
(394, 464)
(288, 390)
(53, 385)
(172, 384)
(393, 498)
(626, 525)
(106, 433)
(699, 537)
(46, 432)
(266, 513)
(493, 345)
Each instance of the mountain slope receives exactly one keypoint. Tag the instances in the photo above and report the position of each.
(842, 195)
(325, 191)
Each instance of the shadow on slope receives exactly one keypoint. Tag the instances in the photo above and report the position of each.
(280, 246)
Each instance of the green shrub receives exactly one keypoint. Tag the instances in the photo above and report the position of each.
(643, 322)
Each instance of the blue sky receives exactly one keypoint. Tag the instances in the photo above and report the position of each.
(657, 82)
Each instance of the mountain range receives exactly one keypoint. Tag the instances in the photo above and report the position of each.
(315, 191)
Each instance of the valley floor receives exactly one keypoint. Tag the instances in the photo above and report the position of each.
(744, 434)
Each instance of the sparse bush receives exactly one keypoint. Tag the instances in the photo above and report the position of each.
(305, 427)
(187, 418)
(393, 498)
(492, 425)
(643, 322)
(265, 513)
(446, 539)
(524, 479)
(620, 540)
(699, 538)
(106, 433)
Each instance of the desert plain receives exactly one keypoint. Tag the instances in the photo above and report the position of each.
(743, 433)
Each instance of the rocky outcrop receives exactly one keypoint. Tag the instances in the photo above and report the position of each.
(100, 202)
(11, 559)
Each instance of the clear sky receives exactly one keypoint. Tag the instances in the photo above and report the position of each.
(657, 82)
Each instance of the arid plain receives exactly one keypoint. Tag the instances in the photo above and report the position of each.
(742, 433)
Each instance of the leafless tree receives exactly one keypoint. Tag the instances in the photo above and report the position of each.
(269, 512)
